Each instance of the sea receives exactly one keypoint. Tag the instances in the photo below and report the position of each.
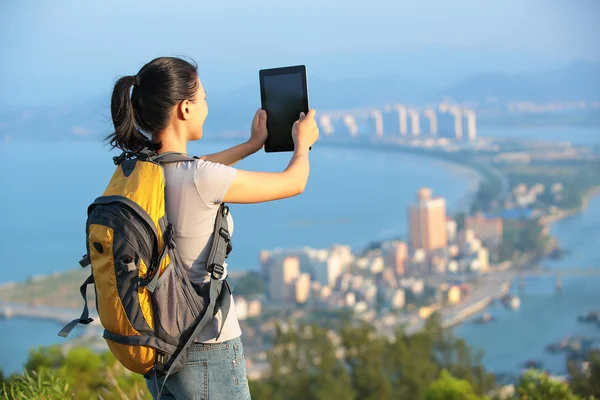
(354, 196)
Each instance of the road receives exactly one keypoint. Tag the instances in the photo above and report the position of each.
(490, 286)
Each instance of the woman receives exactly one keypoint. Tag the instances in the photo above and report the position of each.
(167, 102)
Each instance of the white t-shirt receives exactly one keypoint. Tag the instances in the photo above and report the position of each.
(194, 192)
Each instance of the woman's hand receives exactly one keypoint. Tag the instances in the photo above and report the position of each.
(258, 132)
(256, 187)
(305, 131)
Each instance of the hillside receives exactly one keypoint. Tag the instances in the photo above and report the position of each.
(577, 81)
(232, 110)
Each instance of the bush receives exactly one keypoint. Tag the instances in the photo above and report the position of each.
(35, 385)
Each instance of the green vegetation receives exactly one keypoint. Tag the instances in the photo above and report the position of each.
(36, 386)
(521, 237)
(535, 385)
(308, 362)
(78, 374)
(249, 285)
(449, 388)
(59, 290)
(587, 383)
(489, 191)
(577, 178)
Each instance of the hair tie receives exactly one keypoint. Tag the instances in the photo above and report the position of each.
(136, 80)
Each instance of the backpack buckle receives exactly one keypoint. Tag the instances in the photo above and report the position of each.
(119, 159)
(224, 234)
(217, 271)
(85, 261)
(169, 236)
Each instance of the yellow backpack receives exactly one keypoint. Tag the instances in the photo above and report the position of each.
(149, 309)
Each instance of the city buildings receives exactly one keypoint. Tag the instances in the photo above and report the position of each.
(376, 284)
(428, 222)
(489, 230)
(281, 278)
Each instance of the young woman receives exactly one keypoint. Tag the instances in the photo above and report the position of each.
(164, 106)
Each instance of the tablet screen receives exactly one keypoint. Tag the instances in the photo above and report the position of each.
(283, 98)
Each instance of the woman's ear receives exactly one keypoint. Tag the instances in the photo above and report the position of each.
(184, 109)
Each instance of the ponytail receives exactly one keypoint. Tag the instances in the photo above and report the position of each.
(127, 136)
(141, 104)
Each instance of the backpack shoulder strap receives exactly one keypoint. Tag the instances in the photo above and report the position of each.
(217, 267)
(172, 157)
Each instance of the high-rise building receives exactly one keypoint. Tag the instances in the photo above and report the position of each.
(302, 288)
(281, 278)
(471, 124)
(397, 256)
(451, 230)
(428, 222)
(328, 266)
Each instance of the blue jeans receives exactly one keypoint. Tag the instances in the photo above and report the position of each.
(215, 371)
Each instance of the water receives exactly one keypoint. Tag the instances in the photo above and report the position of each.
(575, 135)
(353, 196)
(18, 336)
(546, 315)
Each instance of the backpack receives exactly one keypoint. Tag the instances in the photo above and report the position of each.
(149, 309)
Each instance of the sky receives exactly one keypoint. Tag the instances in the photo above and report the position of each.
(52, 50)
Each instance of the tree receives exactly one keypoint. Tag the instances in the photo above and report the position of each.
(535, 385)
(586, 381)
(250, 284)
(366, 355)
(454, 355)
(304, 366)
(449, 388)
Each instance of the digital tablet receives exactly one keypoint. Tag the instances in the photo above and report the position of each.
(283, 94)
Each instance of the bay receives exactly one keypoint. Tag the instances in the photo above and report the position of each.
(353, 196)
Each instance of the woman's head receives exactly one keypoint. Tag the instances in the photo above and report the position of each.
(164, 101)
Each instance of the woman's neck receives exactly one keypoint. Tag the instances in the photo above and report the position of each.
(171, 141)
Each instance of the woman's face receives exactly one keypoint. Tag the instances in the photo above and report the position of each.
(197, 113)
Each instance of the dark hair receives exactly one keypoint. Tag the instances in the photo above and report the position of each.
(140, 104)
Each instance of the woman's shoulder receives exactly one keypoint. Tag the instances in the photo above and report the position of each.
(212, 180)
(209, 169)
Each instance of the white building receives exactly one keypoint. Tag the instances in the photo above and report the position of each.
(398, 299)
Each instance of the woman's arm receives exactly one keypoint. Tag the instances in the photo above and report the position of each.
(232, 155)
(257, 187)
(258, 135)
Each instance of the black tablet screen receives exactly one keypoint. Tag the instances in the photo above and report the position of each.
(284, 98)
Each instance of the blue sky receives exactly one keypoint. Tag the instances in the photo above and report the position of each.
(58, 49)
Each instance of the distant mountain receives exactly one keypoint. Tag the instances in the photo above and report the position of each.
(577, 81)
(410, 78)
(234, 109)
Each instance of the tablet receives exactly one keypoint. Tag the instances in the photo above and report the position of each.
(283, 94)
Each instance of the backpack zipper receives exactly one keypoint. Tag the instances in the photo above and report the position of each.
(134, 228)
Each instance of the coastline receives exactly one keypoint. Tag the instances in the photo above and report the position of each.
(59, 313)
(563, 214)
(481, 306)
(24, 310)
